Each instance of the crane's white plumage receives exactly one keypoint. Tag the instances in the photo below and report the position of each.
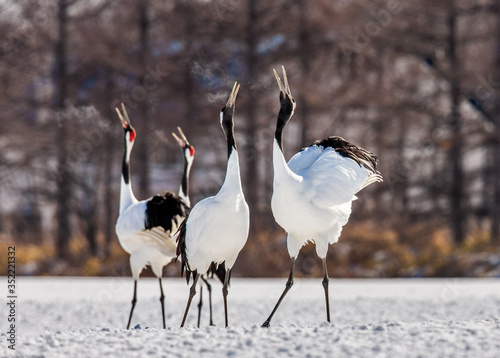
(217, 227)
(313, 192)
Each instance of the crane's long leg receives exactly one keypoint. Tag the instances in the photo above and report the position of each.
(289, 285)
(200, 304)
(325, 286)
(209, 288)
(224, 294)
(192, 292)
(162, 301)
(134, 300)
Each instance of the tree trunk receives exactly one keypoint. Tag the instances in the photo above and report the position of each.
(63, 172)
(495, 212)
(143, 114)
(89, 215)
(252, 172)
(108, 168)
(458, 216)
(305, 56)
(190, 104)
(401, 177)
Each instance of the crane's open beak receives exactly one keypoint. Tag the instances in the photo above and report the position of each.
(232, 97)
(125, 121)
(183, 142)
(285, 89)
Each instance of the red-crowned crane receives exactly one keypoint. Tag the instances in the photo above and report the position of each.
(217, 227)
(313, 192)
(145, 228)
(219, 271)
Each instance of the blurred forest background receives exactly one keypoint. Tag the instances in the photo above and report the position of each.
(417, 82)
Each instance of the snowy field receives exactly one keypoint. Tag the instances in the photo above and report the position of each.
(86, 317)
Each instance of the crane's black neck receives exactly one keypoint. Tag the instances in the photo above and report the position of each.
(279, 136)
(228, 127)
(283, 119)
(231, 143)
(185, 178)
(126, 165)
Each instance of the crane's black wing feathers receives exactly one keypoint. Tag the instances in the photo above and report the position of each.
(164, 209)
(349, 150)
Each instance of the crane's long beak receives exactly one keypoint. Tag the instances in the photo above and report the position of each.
(232, 97)
(183, 142)
(285, 78)
(277, 80)
(126, 114)
(285, 89)
(125, 121)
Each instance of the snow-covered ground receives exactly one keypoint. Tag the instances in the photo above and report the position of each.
(86, 317)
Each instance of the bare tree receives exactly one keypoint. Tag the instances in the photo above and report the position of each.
(495, 212)
(63, 197)
(457, 178)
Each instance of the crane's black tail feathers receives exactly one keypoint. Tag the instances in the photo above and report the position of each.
(219, 271)
(181, 251)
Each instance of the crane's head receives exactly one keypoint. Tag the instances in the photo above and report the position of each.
(187, 148)
(227, 112)
(287, 102)
(129, 131)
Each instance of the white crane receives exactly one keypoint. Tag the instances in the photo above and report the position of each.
(145, 228)
(217, 227)
(219, 271)
(313, 192)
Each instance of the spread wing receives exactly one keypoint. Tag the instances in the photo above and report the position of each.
(333, 171)
(304, 159)
(333, 179)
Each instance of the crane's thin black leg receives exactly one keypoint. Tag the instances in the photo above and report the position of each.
(200, 304)
(134, 300)
(162, 301)
(325, 286)
(209, 288)
(224, 294)
(192, 292)
(289, 285)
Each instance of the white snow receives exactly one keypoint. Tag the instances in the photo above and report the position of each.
(86, 317)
